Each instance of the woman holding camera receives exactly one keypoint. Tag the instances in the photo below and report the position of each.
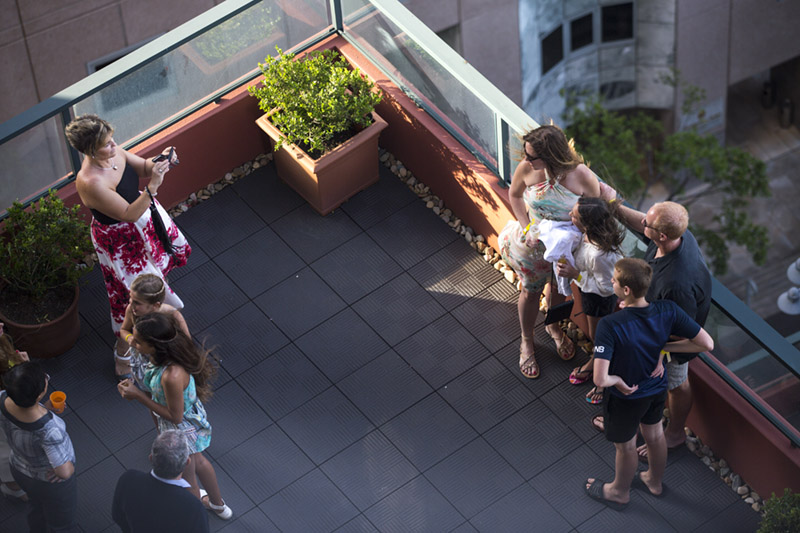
(124, 235)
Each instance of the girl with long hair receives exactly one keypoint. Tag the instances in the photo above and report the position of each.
(179, 379)
(595, 257)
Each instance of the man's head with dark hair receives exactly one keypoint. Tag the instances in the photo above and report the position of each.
(25, 383)
(169, 454)
(635, 274)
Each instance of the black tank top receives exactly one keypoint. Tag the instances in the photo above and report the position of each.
(128, 188)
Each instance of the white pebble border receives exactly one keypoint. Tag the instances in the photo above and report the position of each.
(491, 256)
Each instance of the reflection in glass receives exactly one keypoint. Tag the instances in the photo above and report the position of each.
(423, 78)
(32, 162)
(204, 65)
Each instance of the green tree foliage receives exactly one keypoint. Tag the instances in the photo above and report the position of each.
(781, 513)
(632, 151)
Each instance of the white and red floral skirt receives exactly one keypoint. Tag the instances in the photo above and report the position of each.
(127, 249)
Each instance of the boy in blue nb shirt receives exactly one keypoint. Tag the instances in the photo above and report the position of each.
(628, 365)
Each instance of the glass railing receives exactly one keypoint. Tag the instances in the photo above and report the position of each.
(747, 350)
(191, 66)
(154, 86)
(471, 108)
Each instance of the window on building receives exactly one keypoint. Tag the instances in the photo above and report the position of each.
(452, 36)
(617, 22)
(581, 32)
(552, 49)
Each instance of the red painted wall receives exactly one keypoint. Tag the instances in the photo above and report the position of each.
(735, 431)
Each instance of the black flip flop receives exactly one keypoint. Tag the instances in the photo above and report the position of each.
(595, 492)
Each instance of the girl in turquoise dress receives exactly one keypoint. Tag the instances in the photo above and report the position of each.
(545, 185)
(178, 377)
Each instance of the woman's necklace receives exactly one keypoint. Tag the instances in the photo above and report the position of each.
(112, 167)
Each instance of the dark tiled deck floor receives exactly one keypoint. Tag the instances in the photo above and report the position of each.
(368, 382)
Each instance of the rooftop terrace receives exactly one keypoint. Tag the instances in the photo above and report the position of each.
(368, 373)
(368, 381)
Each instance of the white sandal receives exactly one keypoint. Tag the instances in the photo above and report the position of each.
(222, 511)
(123, 359)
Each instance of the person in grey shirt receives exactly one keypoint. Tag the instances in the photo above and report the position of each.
(42, 457)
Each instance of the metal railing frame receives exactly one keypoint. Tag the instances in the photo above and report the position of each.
(508, 118)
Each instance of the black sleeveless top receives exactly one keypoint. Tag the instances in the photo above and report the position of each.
(128, 188)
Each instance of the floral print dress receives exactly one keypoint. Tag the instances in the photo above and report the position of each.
(127, 249)
(546, 200)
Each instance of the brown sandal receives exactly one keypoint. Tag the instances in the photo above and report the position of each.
(566, 348)
(529, 367)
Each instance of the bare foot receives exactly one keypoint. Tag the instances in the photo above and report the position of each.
(672, 443)
(655, 489)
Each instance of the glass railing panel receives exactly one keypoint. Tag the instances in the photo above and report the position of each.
(32, 161)
(199, 68)
(754, 365)
(429, 83)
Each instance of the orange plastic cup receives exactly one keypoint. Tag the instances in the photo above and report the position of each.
(57, 400)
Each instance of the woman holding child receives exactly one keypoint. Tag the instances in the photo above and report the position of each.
(123, 232)
(545, 185)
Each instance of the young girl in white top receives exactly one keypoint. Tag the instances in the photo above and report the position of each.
(595, 257)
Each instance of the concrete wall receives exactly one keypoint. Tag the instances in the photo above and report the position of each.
(763, 33)
(636, 64)
(722, 42)
(45, 45)
(702, 55)
(489, 36)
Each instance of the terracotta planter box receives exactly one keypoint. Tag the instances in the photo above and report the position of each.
(327, 182)
(44, 341)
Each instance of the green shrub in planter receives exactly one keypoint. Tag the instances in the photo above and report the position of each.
(781, 514)
(40, 250)
(319, 101)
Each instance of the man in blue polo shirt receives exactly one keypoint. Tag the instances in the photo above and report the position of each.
(629, 367)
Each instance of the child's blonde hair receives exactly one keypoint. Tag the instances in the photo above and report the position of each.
(150, 288)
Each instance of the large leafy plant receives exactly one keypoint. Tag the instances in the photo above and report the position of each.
(42, 246)
(781, 513)
(317, 101)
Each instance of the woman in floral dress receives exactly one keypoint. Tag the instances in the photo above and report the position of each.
(122, 227)
(545, 185)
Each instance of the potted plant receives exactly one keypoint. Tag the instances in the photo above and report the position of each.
(781, 513)
(40, 251)
(320, 117)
